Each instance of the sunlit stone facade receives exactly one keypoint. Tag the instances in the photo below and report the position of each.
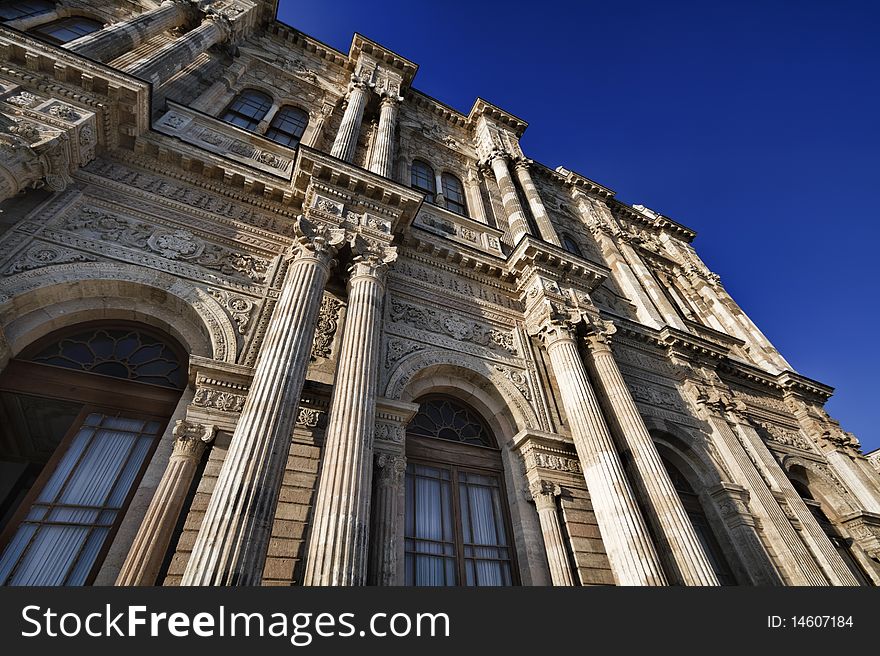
(271, 315)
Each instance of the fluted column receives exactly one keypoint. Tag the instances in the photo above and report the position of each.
(231, 545)
(171, 58)
(837, 572)
(650, 478)
(382, 159)
(631, 553)
(145, 557)
(346, 140)
(542, 219)
(119, 38)
(516, 218)
(385, 534)
(337, 552)
(544, 494)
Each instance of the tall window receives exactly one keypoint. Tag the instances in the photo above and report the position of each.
(457, 530)
(288, 125)
(24, 9)
(67, 29)
(248, 109)
(694, 509)
(80, 415)
(422, 179)
(453, 192)
(571, 246)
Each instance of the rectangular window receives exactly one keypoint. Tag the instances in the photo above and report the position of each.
(67, 525)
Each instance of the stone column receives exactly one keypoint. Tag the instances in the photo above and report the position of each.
(545, 493)
(145, 557)
(794, 559)
(475, 198)
(382, 159)
(542, 219)
(115, 40)
(649, 475)
(347, 138)
(824, 552)
(171, 58)
(337, 553)
(231, 545)
(631, 553)
(390, 470)
(516, 218)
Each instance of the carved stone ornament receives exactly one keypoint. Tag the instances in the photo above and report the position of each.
(191, 438)
(43, 255)
(207, 397)
(389, 432)
(390, 469)
(309, 417)
(239, 308)
(459, 328)
(316, 239)
(328, 318)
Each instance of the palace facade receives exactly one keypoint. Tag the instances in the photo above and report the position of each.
(271, 315)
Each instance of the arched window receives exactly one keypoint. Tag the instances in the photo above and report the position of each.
(288, 125)
(457, 529)
(81, 412)
(24, 9)
(67, 29)
(694, 509)
(453, 193)
(841, 544)
(247, 109)
(422, 179)
(571, 246)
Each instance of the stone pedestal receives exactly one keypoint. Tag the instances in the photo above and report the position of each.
(231, 545)
(337, 552)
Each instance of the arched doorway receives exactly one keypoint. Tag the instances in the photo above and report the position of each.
(457, 526)
(81, 412)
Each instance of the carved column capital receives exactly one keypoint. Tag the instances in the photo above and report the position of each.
(358, 83)
(544, 493)
(522, 163)
(390, 98)
(599, 335)
(391, 469)
(190, 438)
(316, 240)
(371, 257)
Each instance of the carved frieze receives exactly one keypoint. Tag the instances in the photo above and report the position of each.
(325, 331)
(454, 326)
(781, 435)
(180, 245)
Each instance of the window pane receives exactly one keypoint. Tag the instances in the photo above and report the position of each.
(67, 29)
(422, 178)
(248, 109)
(453, 192)
(486, 553)
(82, 497)
(23, 9)
(288, 126)
(429, 540)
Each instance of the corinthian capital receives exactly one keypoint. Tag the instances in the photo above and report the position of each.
(316, 239)
(544, 493)
(599, 334)
(390, 469)
(522, 163)
(371, 256)
(191, 438)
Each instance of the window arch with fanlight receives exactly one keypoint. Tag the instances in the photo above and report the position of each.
(81, 412)
(457, 526)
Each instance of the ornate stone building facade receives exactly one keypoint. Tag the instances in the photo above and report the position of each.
(270, 315)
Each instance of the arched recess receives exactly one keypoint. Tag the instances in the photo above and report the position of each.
(694, 473)
(505, 412)
(35, 303)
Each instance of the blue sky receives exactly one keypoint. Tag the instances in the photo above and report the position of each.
(754, 123)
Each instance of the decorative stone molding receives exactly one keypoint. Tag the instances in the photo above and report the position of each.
(326, 329)
(547, 451)
(42, 255)
(239, 307)
(865, 528)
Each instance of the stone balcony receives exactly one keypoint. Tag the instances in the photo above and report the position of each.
(229, 141)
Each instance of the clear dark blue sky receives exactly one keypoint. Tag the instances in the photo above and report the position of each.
(754, 123)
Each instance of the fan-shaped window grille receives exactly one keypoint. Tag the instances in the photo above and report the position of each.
(122, 353)
(447, 419)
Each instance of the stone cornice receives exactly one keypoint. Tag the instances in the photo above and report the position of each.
(361, 44)
(309, 44)
(530, 252)
(437, 107)
(798, 385)
(463, 256)
(659, 222)
(582, 183)
(497, 115)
